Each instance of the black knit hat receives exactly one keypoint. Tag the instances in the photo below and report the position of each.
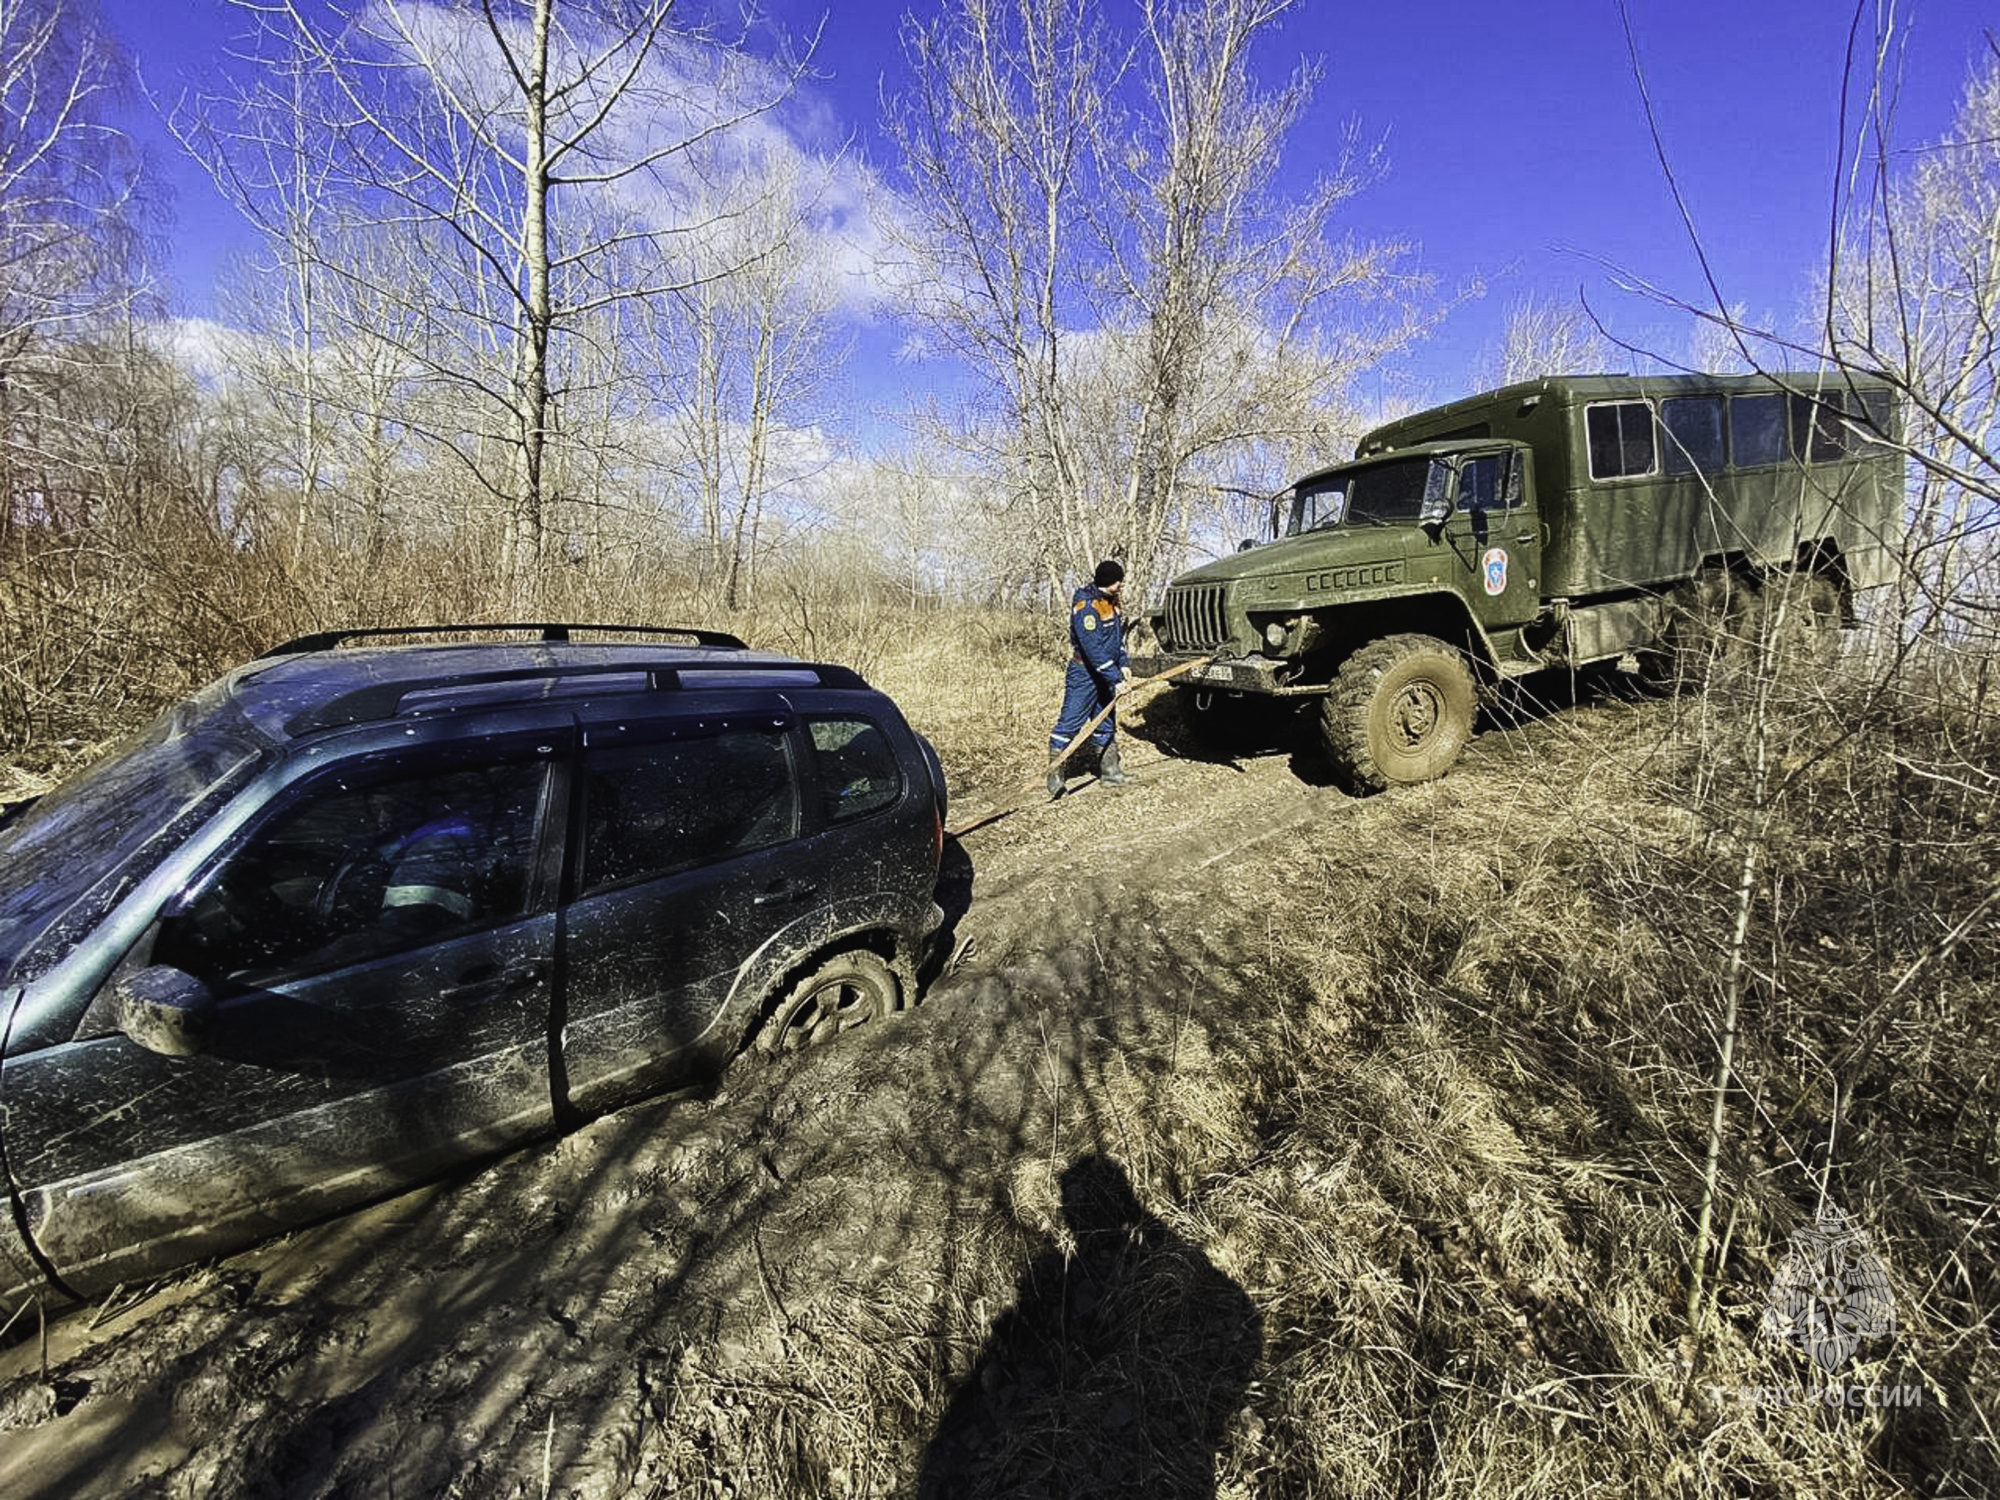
(1108, 572)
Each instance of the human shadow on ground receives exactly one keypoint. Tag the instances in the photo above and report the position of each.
(1116, 1370)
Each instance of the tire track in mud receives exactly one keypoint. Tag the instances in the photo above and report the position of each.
(552, 1312)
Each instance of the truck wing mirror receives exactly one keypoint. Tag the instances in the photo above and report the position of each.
(165, 1010)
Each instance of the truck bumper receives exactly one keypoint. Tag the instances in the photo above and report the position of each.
(1243, 674)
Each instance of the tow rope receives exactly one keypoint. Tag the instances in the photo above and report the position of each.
(1037, 783)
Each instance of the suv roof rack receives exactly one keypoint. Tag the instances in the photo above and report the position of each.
(550, 631)
(385, 700)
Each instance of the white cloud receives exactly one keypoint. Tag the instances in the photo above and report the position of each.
(727, 143)
(212, 352)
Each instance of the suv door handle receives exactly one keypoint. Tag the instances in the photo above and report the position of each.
(487, 983)
(784, 891)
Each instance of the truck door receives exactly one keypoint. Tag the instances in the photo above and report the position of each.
(1495, 535)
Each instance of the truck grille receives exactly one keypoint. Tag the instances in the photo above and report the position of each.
(1197, 617)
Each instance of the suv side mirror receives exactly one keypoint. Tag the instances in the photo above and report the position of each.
(165, 1010)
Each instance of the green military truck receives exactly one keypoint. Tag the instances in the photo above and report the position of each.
(1562, 522)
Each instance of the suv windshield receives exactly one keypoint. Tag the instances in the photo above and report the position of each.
(1385, 494)
(146, 796)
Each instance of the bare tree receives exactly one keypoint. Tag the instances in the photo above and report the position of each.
(1547, 336)
(1910, 291)
(1101, 243)
(1914, 293)
(269, 161)
(744, 341)
(1000, 137)
(1250, 305)
(70, 248)
(538, 155)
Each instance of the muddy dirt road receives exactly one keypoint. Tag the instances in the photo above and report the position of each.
(636, 1307)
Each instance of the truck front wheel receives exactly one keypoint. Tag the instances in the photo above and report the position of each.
(1400, 711)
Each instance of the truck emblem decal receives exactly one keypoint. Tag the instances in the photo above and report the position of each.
(1830, 1293)
(1494, 566)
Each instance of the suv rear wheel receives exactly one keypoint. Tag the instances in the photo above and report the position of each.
(842, 993)
(1400, 711)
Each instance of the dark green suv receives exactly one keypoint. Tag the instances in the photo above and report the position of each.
(356, 913)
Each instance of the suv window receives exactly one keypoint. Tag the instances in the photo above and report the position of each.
(365, 864)
(654, 809)
(858, 774)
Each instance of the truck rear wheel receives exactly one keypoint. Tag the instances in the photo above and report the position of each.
(1400, 711)
(1704, 625)
(1798, 615)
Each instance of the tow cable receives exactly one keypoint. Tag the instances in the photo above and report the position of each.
(1013, 800)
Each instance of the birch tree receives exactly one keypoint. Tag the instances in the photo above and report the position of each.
(1001, 137)
(70, 261)
(538, 154)
(1913, 293)
(743, 342)
(1252, 310)
(1102, 243)
(1548, 336)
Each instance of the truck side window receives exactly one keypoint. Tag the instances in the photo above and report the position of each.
(1878, 414)
(1694, 434)
(1756, 431)
(1817, 435)
(1484, 483)
(1620, 436)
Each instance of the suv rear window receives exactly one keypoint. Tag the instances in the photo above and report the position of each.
(858, 774)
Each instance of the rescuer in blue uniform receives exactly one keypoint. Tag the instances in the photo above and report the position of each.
(1099, 671)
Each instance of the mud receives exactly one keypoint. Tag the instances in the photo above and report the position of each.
(589, 1317)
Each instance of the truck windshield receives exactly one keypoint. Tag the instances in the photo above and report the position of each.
(1385, 494)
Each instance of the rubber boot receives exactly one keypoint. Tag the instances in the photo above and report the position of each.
(1108, 770)
(1055, 775)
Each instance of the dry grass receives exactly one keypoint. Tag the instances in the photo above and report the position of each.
(1454, 1160)
(1448, 1143)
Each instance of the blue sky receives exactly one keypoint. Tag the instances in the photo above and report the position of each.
(1517, 148)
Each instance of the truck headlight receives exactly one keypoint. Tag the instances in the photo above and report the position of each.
(1274, 635)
